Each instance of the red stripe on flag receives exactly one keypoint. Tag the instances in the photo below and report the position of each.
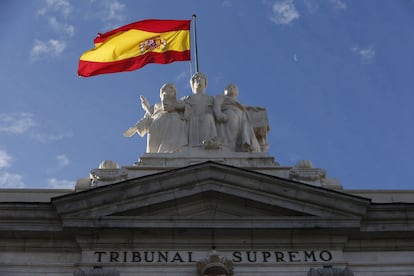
(149, 25)
(90, 68)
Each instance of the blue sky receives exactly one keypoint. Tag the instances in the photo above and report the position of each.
(335, 76)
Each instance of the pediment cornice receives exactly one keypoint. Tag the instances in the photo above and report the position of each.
(272, 198)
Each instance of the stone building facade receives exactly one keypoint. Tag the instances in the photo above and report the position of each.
(207, 218)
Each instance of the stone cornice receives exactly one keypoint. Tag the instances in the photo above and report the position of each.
(275, 203)
(211, 176)
(29, 217)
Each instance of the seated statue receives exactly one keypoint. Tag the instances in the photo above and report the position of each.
(199, 113)
(200, 121)
(260, 123)
(233, 122)
(163, 122)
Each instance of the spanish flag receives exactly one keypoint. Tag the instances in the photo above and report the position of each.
(132, 46)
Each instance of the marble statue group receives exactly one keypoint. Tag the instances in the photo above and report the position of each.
(201, 121)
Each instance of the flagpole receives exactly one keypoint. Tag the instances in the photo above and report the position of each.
(195, 44)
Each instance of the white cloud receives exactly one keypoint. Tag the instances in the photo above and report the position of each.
(60, 183)
(4, 159)
(63, 161)
(56, 12)
(16, 123)
(367, 55)
(226, 4)
(9, 180)
(61, 6)
(312, 6)
(114, 10)
(110, 12)
(181, 76)
(47, 136)
(284, 12)
(53, 47)
(61, 27)
(338, 4)
(22, 123)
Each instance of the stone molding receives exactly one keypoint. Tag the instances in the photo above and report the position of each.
(96, 271)
(106, 176)
(330, 271)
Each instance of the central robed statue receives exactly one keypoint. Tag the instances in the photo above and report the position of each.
(201, 121)
(199, 113)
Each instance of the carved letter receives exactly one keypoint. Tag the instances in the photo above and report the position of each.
(177, 257)
(310, 255)
(100, 253)
(248, 256)
(162, 256)
(325, 255)
(279, 256)
(147, 259)
(266, 255)
(136, 257)
(190, 257)
(293, 256)
(114, 256)
(237, 257)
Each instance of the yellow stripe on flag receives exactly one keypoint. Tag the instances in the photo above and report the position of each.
(133, 43)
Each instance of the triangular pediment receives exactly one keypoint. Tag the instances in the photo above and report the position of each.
(222, 195)
(210, 204)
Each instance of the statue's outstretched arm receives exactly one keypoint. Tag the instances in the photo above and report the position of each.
(131, 131)
(141, 127)
(145, 105)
